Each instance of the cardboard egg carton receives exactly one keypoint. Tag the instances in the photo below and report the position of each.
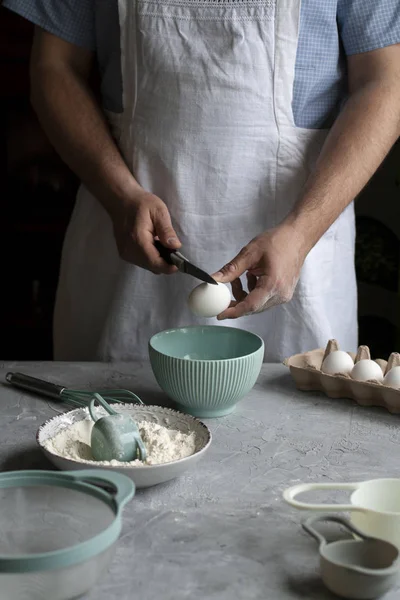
(306, 372)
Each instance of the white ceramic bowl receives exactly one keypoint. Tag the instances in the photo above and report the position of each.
(143, 476)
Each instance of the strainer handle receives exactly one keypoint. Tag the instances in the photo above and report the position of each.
(124, 487)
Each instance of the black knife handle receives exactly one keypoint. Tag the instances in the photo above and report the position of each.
(165, 253)
(171, 257)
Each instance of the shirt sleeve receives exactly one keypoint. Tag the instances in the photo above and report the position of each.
(71, 20)
(366, 25)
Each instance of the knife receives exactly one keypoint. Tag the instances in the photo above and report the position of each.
(174, 257)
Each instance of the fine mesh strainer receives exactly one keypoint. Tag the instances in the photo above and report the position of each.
(58, 531)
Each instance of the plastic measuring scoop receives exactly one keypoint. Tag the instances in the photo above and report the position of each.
(374, 505)
(115, 436)
(361, 569)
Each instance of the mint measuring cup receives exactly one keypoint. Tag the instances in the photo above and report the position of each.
(115, 436)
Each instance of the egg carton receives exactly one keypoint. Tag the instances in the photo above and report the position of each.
(306, 372)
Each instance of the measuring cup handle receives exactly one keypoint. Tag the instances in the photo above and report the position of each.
(92, 412)
(290, 494)
(124, 487)
(142, 448)
(308, 526)
(104, 403)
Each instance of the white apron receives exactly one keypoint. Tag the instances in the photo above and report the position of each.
(208, 127)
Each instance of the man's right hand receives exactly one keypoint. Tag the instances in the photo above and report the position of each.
(137, 223)
(75, 124)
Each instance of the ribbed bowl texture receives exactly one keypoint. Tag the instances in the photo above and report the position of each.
(206, 370)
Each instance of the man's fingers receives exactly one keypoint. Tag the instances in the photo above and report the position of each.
(251, 281)
(245, 260)
(257, 300)
(253, 303)
(164, 230)
(136, 229)
(151, 256)
(237, 290)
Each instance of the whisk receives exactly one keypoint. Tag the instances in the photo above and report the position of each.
(62, 394)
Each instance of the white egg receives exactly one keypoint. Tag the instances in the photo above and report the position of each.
(392, 377)
(337, 362)
(209, 300)
(367, 370)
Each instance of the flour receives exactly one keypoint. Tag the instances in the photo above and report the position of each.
(162, 444)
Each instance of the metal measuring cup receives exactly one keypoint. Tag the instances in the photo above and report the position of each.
(359, 569)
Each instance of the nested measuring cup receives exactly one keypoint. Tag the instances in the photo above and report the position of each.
(58, 531)
(362, 569)
(374, 505)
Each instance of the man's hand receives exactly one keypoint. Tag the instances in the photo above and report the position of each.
(136, 225)
(272, 262)
(367, 127)
(75, 124)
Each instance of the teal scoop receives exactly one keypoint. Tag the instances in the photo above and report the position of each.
(115, 436)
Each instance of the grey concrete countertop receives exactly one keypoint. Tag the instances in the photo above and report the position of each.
(222, 531)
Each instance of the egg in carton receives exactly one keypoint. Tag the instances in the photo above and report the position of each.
(369, 383)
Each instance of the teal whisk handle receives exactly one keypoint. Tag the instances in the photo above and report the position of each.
(38, 386)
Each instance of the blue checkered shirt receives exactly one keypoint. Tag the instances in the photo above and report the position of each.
(330, 30)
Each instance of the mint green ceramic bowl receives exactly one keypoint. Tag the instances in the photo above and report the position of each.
(206, 370)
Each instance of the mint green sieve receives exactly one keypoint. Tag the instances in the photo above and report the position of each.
(54, 526)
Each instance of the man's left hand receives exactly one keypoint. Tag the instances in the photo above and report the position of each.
(272, 262)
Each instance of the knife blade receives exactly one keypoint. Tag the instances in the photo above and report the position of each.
(198, 273)
(174, 257)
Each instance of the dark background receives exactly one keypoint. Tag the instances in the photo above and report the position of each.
(37, 194)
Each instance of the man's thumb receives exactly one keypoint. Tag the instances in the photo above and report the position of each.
(236, 267)
(166, 233)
